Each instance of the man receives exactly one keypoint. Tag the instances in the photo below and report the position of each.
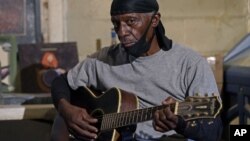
(147, 64)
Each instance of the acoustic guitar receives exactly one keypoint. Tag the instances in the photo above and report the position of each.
(117, 110)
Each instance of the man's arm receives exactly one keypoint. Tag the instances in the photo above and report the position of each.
(76, 118)
(60, 89)
(201, 80)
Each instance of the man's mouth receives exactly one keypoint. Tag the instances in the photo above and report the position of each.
(128, 44)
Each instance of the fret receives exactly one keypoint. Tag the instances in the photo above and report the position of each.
(126, 118)
(129, 118)
(128, 122)
(108, 120)
(150, 113)
(152, 110)
(137, 115)
(134, 116)
(104, 121)
(121, 120)
(115, 118)
(114, 122)
(146, 114)
(141, 119)
(118, 119)
(143, 115)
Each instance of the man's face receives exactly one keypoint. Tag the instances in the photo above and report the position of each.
(130, 27)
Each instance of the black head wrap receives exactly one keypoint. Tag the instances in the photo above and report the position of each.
(142, 6)
(133, 6)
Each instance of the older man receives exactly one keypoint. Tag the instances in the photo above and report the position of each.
(147, 64)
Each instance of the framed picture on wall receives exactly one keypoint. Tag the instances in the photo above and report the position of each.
(12, 17)
(41, 63)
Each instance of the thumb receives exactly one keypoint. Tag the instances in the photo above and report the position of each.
(168, 100)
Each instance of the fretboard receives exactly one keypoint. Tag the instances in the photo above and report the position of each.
(116, 120)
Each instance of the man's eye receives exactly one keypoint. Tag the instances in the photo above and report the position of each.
(131, 21)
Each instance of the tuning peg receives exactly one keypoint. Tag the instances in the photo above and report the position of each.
(213, 100)
(191, 99)
(197, 114)
(197, 94)
(200, 100)
(189, 115)
(207, 99)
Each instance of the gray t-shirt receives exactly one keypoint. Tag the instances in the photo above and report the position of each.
(178, 72)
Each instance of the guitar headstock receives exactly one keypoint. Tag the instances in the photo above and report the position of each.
(195, 107)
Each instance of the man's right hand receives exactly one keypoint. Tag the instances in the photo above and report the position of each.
(79, 122)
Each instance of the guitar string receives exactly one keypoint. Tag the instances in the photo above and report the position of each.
(114, 120)
(118, 117)
(183, 105)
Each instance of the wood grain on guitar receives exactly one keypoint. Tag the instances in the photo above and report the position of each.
(117, 109)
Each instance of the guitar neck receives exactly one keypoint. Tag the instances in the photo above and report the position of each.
(191, 108)
(116, 120)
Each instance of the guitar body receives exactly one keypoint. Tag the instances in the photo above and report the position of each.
(112, 101)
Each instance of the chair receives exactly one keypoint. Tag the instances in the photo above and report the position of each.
(237, 84)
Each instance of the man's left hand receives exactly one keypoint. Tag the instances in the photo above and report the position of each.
(165, 119)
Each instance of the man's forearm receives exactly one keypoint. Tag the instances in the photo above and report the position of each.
(60, 89)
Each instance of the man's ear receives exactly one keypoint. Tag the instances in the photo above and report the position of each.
(156, 19)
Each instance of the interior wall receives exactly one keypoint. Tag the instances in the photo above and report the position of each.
(53, 18)
(207, 26)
